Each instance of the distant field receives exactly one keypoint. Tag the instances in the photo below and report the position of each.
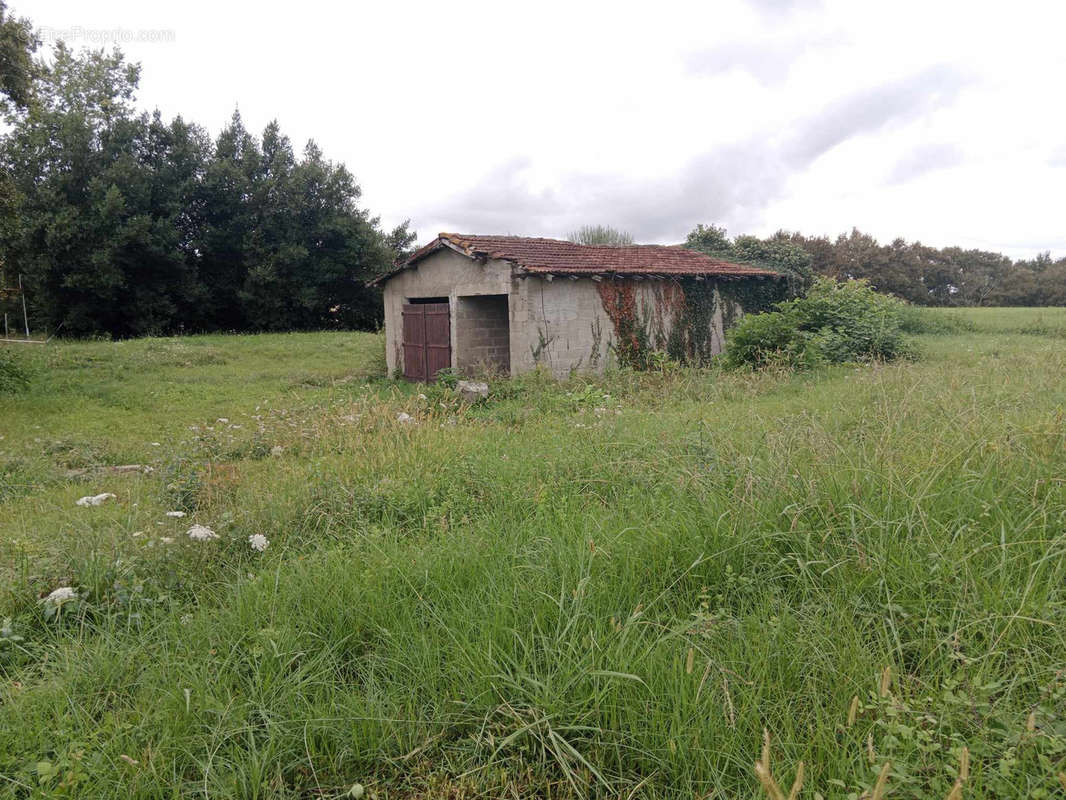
(602, 588)
(1039, 321)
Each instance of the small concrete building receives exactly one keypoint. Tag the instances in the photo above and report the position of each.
(508, 304)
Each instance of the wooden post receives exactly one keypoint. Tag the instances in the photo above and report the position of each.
(25, 317)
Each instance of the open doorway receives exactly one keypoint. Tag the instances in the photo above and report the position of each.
(483, 334)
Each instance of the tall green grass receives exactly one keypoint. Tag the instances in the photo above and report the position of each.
(603, 588)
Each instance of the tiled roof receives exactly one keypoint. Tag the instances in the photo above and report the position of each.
(553, 256)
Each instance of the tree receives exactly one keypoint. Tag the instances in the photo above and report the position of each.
(400, 240)
(18, 43)
(312, 247)
(779, 253)
(600, 234)
(709, 239)
(224, 227)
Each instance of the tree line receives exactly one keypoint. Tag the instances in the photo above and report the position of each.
(912, 271)
(931, 276)
(126, 224)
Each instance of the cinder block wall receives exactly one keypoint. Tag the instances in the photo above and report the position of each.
(563, 326)
(482, 333)
(443, 274)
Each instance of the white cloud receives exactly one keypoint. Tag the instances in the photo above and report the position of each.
(769, 58)
(925, 159)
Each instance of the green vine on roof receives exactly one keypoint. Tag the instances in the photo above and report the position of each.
(774, 253)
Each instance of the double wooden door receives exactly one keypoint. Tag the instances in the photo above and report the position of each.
(427, 340)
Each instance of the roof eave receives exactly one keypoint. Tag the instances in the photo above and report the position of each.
(607, 273)
(443, 241)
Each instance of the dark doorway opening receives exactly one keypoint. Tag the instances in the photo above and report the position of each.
(483, 334)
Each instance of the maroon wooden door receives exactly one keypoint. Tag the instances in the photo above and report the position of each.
(427, 340)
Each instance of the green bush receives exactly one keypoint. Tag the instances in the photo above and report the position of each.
(834, 323)
(13, 376)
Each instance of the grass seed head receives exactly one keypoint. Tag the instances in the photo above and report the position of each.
(886, 681)
(769, 785)
(882, 782)
(797, 783)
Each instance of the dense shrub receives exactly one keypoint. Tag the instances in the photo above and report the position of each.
(13, 376)
(835, 322)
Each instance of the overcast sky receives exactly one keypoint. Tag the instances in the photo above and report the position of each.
(938, 121)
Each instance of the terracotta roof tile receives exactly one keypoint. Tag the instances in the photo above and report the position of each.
(558, 257)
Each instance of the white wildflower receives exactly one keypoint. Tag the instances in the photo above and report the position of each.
(404, 418)
(258, 542)
(64, 594)
(155, 444)
(277, 450)
(176, 514)
(166, 539)
(201, 533)
(7, 631)
(94, 500)
(54, 603)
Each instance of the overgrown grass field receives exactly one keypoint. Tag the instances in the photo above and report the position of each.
(603, 588)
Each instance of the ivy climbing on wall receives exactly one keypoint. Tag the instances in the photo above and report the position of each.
(631, 326)
(678, 316)
(753, 296)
